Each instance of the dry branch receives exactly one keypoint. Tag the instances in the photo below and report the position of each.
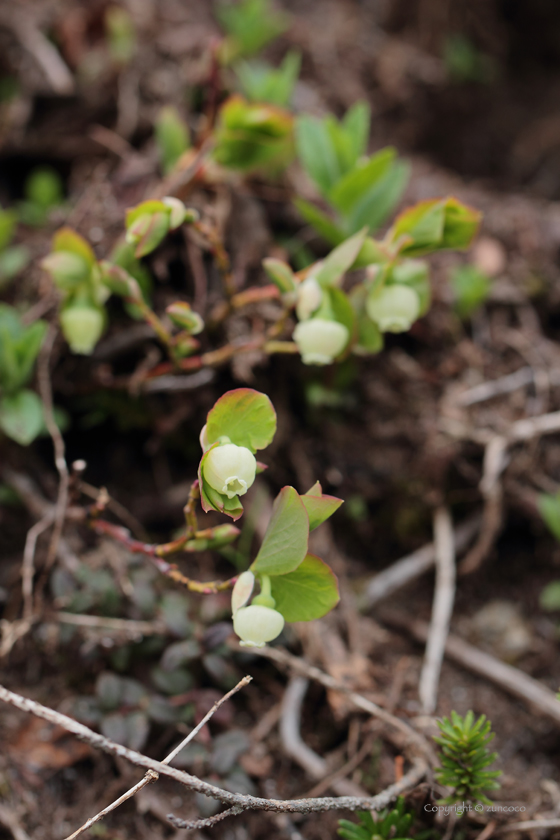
(444, 597)
(414, 775)
(511, 679)
(407, 569)
(295, 746)
(151, 776)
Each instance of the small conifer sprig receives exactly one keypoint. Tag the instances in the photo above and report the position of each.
(391, 823)
(464, 757)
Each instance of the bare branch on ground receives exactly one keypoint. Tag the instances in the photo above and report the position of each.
(442, 610)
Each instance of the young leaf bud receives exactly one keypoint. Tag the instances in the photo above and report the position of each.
(82, 327)
(178, 211)
(242, 591)
(147, 231)
(230, 469)
(309, 299)
(183, 316)
(256, 625)
(66, 269)
(394, 308)
(320, 341)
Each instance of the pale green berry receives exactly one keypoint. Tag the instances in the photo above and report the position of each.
(230, 469)
(309, 297)
(82, 327)
(242, 591)
(256, 625)
(394, 308)
(319, 341)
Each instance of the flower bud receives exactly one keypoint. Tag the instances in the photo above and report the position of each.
(394, 308)
(230, 469)
(320, 341)
(82, 327)
(256, 625)
(242, 591)
(309, 298)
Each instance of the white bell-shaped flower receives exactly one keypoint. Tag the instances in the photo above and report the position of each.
(82, 327)
(319, 341)
(394, 308)
(242, 591)
(309, 297)
(256, 625)
(230, 469)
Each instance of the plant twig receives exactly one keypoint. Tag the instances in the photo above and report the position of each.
(442, 609)
(151, 776)
(154, 552)
(529, 825)
(407, 569)
(28, 564)
(45, 389)
(10, 821)
(118, 625)
(511, 679)
(282, 657)
(416, 772)
(495, 460)
(294, 745)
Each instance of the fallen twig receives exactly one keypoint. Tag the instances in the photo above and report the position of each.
(407, 569)
(529, 825)
(286, 659)
(10, 821)
(444, 597)
(495, 460)
(294, 745)
(151, 776)
(246, 802)
(45, 389)
(511, 679)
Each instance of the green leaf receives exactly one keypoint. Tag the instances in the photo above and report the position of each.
(356, 124)
(316, 152)
(421, 226)
(415, 274)
(21, 417)
(340, 260)
(250, 25)
(435, 225)
(43, 187)
(471, 288)
(261, 83)
(8, 221)
(285, 542)
(12, 261)
(309, 592)
(245, 416)
(67, 239)
(249, 135)
(318, 506)
(374, 207)
(172, 137)
(320, 221)
(280, 273)
(549, 509)
(360, 179)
